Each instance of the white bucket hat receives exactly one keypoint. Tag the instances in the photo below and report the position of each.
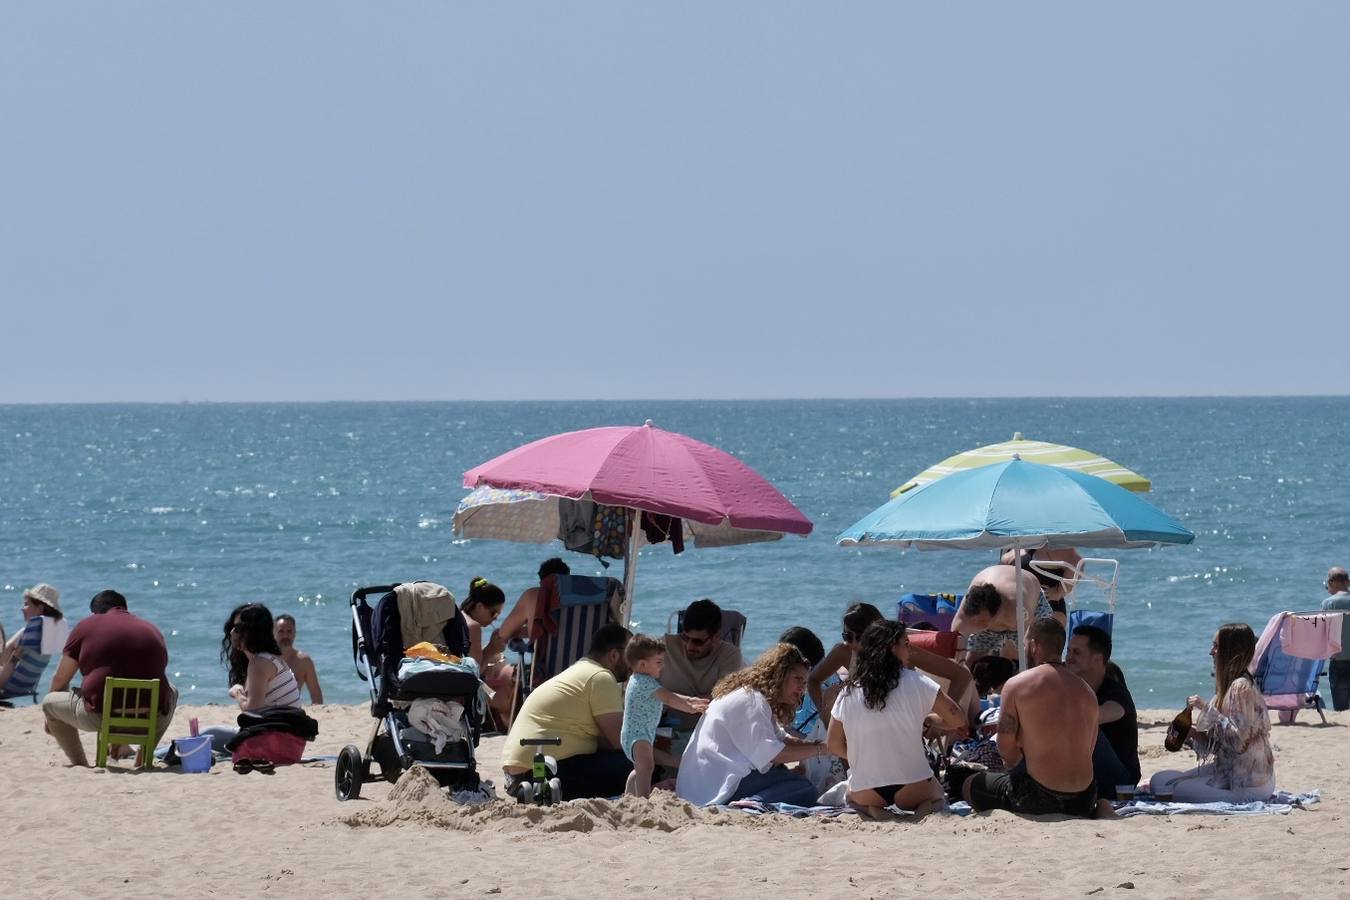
(45, 594)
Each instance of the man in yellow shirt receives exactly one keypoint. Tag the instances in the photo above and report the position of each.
(583, 706)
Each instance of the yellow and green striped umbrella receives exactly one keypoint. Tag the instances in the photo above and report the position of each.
(1032, 451)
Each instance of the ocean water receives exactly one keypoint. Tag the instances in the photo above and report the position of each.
(192, 509)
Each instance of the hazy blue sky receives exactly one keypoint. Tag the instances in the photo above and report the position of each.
(208, 201)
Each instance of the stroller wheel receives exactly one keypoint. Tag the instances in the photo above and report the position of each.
(348, 775)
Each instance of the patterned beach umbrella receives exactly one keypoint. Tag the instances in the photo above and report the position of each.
(720, 500)
(1043, 452)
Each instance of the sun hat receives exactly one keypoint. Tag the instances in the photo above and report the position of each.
(45, 594)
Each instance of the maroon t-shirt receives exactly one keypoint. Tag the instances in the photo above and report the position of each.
(117, 644)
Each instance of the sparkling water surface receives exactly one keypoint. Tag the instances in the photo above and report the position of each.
(191, 509)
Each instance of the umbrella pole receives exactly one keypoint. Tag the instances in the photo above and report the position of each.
(630, 566)
(1021, 613)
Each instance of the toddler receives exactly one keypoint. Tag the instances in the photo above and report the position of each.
(642, 706)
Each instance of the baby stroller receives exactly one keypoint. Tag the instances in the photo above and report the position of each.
(377, 650)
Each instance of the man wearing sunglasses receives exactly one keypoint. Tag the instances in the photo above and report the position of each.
(697, 658)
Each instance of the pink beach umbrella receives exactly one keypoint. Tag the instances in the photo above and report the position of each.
(644, 468)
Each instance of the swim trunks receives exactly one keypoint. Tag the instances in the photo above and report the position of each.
(1018, 792)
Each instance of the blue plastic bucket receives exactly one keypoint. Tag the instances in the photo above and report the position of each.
(194, 753)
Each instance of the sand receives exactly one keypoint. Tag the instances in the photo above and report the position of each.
(96, 833)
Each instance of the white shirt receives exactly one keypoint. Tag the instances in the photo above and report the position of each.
(885, 746)
(737, 735)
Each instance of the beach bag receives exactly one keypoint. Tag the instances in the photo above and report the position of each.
(277, 747)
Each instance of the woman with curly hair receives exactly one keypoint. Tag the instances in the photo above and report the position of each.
(739, 749)
(878, 722)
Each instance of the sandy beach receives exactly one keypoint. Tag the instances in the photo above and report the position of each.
(227, 835)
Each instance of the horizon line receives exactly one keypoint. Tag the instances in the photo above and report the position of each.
(812, 399)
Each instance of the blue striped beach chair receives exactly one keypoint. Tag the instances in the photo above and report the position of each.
(23, 681)
(584, 604)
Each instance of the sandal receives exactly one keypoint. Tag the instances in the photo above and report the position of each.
(261, 766)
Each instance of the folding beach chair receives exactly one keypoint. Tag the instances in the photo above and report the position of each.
(569, 611)
(1104, 583)
(733, 625)
(1289, 683)
(23, 680)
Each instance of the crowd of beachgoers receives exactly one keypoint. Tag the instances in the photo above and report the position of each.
(888, 717)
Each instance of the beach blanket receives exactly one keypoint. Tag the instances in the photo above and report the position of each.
(1281, 803)
(756, 808)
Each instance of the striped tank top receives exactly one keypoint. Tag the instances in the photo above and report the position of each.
(282, 690)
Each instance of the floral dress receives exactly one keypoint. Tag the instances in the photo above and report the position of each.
(1238, 737)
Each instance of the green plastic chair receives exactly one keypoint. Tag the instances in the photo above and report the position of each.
(132, 719)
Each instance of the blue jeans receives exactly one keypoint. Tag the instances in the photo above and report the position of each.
(777, 785)
(1108, 769)
(1338, 673)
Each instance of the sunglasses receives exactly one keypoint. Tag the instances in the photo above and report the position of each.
(693, 641)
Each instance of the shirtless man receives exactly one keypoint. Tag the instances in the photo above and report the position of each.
(305, 674)
(517, 621)
(1046, 732)
(988, 613)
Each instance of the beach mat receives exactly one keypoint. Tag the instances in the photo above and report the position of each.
(1281, 803)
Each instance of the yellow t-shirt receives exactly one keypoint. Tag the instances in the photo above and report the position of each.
(565, 707)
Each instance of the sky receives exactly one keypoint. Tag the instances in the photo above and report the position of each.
(336, 200)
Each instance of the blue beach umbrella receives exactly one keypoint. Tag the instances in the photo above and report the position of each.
(1017, 504)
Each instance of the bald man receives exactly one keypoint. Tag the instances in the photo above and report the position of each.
(988, 613)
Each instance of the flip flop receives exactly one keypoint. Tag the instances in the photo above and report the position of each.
(261, 766)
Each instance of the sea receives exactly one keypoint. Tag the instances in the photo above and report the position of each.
(191, 509)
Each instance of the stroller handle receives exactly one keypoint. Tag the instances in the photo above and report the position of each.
(541, 742)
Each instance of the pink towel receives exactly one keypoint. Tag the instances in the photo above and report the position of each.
(1311, 637)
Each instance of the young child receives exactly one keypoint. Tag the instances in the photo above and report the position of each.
(642, 705)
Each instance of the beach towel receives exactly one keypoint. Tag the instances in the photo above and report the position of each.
(1280, 803)
(756, 808)
(54, 634)
(942, 643)
(423, 609)
(442, 721)
(1311, 637)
